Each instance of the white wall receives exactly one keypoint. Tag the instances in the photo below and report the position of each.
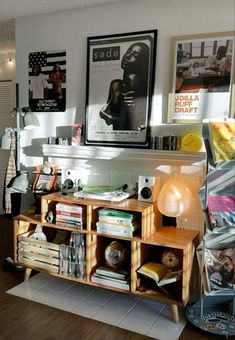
(69, 30)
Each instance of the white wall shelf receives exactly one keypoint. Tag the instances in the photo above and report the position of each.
(122, 154)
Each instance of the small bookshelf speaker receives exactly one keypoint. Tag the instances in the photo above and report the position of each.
(72, 175)
(148, 188)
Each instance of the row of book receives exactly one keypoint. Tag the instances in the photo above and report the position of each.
(72, 257)
(116, 222)
(71, 215)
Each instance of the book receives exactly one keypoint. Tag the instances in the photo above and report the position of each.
(159, 273)
(69, 208)
(112, 229)
(222, 140)
(117, 214)
(132, 226)
(112, 272)
(111, 278)
(115, 220)
(69, 224)
(71, 214)
(69, 218)
(107, 282)
(219, 268)
(112, 196)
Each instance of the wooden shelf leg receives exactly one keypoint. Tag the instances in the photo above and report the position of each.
(175, 313)
(27, 273)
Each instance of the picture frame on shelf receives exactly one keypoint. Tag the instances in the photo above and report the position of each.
(120, 79)
(201, 82)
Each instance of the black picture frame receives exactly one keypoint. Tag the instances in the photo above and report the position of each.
(47, 81)
(119, 88)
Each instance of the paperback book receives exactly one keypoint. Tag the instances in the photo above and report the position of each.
(117, 215)
(110, 283)
(116, 229)
(69, 208)
(111, 278)
(112, 272)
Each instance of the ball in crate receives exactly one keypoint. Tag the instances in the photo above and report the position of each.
(115, 254)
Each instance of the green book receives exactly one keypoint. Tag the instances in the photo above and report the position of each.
(116, 213)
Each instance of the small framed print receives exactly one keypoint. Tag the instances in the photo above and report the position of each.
(202, 77)
(47, 81)
(120, 78)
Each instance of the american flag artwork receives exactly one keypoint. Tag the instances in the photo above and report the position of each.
(38, 58)
(47, 60)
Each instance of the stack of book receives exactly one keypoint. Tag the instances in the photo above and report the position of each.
(111, 277)
(119, 223)
(71, 215)
(72, 257)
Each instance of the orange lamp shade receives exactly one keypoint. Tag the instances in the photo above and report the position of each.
(175, 198)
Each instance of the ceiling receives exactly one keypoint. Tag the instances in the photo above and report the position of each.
(11, 9)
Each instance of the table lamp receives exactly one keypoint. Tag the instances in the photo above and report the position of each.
(175, 198)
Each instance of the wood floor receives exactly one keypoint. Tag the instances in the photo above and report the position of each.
(21, 319)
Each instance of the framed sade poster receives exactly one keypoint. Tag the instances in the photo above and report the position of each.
(120, 78)
(47, 81)
(202, 77)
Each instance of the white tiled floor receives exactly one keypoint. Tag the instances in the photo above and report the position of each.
(141, 315)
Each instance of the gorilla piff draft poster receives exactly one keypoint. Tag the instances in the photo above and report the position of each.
(120, 76)
(47, 81)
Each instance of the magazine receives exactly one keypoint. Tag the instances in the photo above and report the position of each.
(219, 267)
(221, 210)
(159, 273)
(222, 140)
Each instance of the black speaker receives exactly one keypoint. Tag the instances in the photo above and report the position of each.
(148, 188)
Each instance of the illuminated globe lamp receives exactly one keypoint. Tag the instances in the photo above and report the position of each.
(175, 198)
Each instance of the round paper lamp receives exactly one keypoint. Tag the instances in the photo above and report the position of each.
(175, 198)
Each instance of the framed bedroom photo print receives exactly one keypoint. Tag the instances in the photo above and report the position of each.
(120, 78)
(202, 77)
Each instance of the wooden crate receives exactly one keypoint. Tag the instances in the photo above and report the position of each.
(37, 253)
